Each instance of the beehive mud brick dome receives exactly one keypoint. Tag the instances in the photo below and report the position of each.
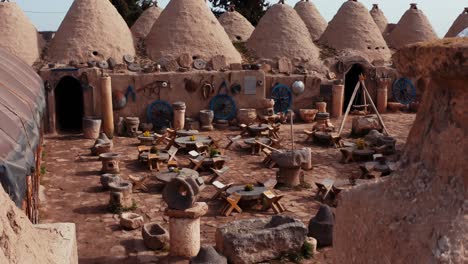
(189, 26)
(459, 24)
(282, 33)
(311, 16)
(91, 30)
(413, 27)
(145, 22)
(18, 34)
(352, 29)
(379, 17)
(236, 26)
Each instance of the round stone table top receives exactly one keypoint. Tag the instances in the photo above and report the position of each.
(257, 128)
(251, 141)
(167, 176)
(205, 140)
(187, 133)
(255, 194)
(160, 156)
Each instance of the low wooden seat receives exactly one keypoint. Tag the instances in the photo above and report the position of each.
(216, 174)
(273, 131)
(139, 182)
(170, 137)
(142, 149)
(201, 148)
(153, 161)
(231, 204)
(268, 161)
(232, 140)
(159, 139)
(218, 163)
(272, 201)
(172, 153)
(327, 189)
(197, 163)
(310, 135)
(220, 189)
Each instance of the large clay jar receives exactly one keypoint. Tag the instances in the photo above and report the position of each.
(267, 103)
(247, 116)
(91, 127)
(308, 115)
(179, 115)
(110, 162)
(206, 119)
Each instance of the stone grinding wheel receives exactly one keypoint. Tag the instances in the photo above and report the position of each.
(129, 58)
(199, 64)
(181, 193)
(103, 65)
(133, 67)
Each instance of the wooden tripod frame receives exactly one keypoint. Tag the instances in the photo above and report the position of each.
(361, 84)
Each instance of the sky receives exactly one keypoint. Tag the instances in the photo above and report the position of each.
(48, 14)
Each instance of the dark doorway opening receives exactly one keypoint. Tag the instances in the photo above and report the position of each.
(351, 79)
(69, 108)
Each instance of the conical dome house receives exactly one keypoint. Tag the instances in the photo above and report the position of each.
(353, 30)
(91, 30)
(314, 21)
(413, 27)
(379, 17)
(189, 26)
(459, 25)
(18, 34)
(236, 26)
(145, 22)
(282, 33)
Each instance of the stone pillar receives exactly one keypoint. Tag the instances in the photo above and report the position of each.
(106, 101)
(184, 230)
(179, 115)
(382, 95)
(289, 176)
(337, 100)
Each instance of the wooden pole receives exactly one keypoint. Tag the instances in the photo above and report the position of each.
(375, 109)
(106, 102)
(349, 106)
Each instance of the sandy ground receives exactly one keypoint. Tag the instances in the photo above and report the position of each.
(74, 194)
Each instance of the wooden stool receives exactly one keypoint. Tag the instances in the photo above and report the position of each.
(231, 204)
(232, 140)
(220, 189)
(172, 153)
(153, 162)
(272, 201)
(310, 135)
(197, 163)
(142, 149)
(268, 161)
(139, 182)
(217, 174)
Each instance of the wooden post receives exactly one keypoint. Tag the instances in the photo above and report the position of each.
(349, 106)
(106, 101)
(375, 110)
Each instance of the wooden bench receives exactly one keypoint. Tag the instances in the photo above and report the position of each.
(231, 203)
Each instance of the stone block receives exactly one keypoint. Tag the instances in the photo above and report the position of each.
(219, 62)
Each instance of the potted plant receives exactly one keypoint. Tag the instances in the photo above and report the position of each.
(248, 187)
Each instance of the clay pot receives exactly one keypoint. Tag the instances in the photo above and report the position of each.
(91, 127)
(110, 162)
(247, 116)
(120, 186)
(179, 115)
(131, 125)
(321, 106)
(154, 236)
(308, 115)
(131, 221)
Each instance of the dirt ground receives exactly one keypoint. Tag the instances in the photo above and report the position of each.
(74, 194)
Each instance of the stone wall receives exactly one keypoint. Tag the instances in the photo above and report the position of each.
(417, 215)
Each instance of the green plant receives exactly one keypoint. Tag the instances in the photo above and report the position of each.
(214, 152)
(117, 209)
(360, 143)
(307, 250)
(248, 187)
(43, 170)
(147, 134)
(154, 150)
(43, 155)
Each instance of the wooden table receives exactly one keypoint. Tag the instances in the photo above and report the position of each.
(167, 176)
(188, 143)
(254, 146)
(154, 159)
(253, 195)
(187, 133)
(256, 129)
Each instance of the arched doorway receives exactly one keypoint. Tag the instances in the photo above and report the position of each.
(351, 79)
(69, 109)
